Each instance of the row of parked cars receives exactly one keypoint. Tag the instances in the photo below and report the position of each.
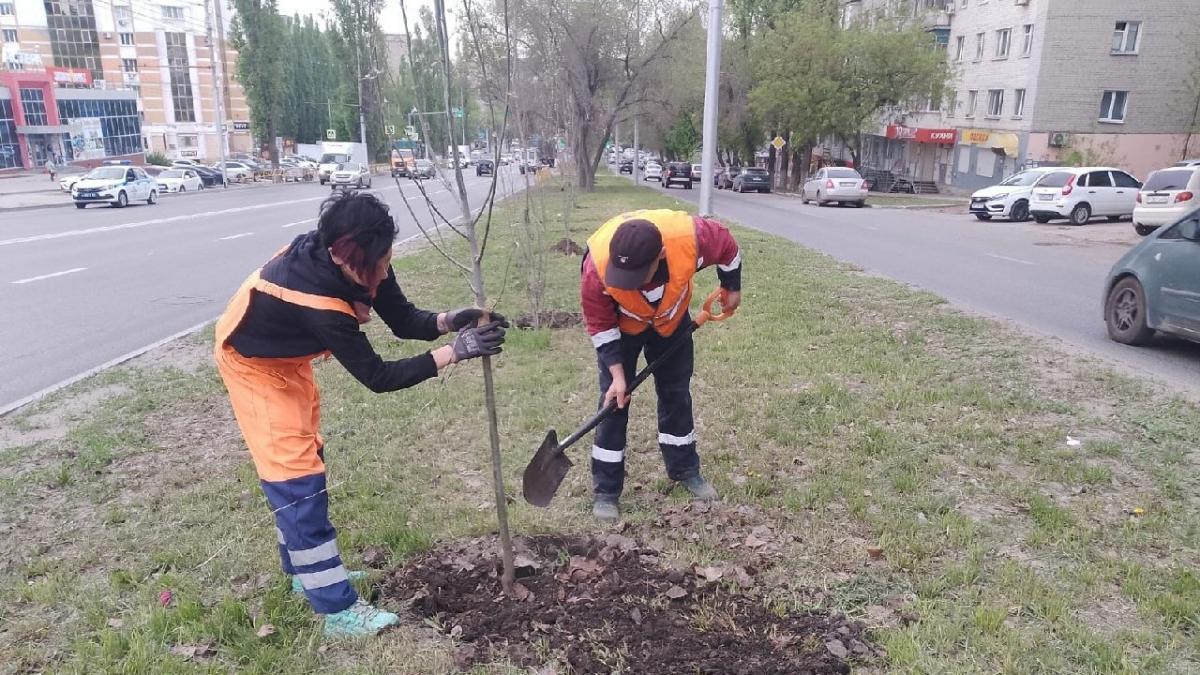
(1079, 194)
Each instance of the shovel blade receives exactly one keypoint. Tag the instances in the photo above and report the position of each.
(545, 472)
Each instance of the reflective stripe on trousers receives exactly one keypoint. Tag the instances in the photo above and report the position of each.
(672, 385)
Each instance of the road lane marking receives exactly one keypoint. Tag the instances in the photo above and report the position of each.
(299, 222)
(1004, 257)
(235, 236)
(49, 276)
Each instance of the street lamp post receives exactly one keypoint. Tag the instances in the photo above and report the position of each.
(711, 76)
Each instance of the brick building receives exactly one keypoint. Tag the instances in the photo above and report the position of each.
(1049, 82)
(88, 79)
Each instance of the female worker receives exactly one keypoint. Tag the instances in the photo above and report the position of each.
(306, 302)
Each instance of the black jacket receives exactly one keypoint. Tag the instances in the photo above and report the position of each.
(273, 328)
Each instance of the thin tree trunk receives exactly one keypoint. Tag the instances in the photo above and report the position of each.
(489, 391)
(771, 161)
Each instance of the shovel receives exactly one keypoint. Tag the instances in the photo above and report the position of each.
(550, 464)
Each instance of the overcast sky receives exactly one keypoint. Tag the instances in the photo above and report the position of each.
(389, 19)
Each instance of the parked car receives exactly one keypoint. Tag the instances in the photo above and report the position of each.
(329, 163)
(485, 167)
(115, 185)
(697, 172)
(350, 174)
(724, 179)
(179, 180)
(236, 172)
(677, 172)
(186, 163)
(210, 177)
(300, 160)
(753, 178)
(1008, 199)
(835, 184)
(505, 159)
(1188, 162)
(423, 168)
(1154, 286)
(1078, 194)
(626, 166)
(653, 172)
(70, 175)
(1167, 196)
(292, 171)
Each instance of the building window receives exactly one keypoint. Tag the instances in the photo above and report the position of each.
(1112, 106)
(181, 81)
(6, 9)
(122, 13)
(1125, 37)
(33, 105)
(187, 141)
(972, 100)
(129, 65)
(1003, 38)
(169, 12)
(958, 48)
(73, 38)
(951, 104)
(120, 126)
(10, 150)
(1019, 103)
(979, 40)
(126, 38)
(995, 102)
(1027, 41)
(10, 35)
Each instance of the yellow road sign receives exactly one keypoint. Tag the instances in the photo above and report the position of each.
(779, 142)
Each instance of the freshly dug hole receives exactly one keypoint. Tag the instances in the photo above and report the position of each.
(598, 605)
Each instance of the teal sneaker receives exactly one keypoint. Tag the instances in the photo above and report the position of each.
(359, 620)
(298, 588)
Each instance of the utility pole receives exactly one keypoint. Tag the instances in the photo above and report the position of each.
(362, 116)
(218, 81)
(711, 76)
(637, 149)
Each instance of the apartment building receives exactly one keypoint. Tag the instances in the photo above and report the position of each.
(1052, 82)
(90, 79)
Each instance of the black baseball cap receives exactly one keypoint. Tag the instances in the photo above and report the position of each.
(632, 252)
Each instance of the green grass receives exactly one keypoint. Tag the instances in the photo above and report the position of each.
(848, 411)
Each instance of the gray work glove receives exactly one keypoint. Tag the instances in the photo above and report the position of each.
(459, 319)
(478, 341)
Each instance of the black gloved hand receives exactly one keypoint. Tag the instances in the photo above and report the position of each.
(466, 317)
(478, 341)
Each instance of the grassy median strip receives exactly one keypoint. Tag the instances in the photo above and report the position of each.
(984, 502)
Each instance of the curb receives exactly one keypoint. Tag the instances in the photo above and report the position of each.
(34, 207)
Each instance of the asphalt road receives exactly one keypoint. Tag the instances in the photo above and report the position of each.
(81, 289)
(1046, 278)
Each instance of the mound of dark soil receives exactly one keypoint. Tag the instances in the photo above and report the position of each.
(601, 605)
(567, 247)
(551, 318)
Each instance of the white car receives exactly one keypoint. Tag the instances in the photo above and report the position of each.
(350, 174)
(329, 163)
(835, 184)
(653, 171)
(697, 172)
(179, 180)
(1167, 196)
(69, 181)
(1010, 198)
(184, 163)
(115, 185)
(236, 172)
(1079, 193)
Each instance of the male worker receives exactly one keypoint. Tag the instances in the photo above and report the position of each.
(635, 289)
(308, 301)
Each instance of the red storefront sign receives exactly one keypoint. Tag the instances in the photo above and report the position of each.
(899, 132)
(70, 76)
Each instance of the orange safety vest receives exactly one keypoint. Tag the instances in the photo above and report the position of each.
(679, 239)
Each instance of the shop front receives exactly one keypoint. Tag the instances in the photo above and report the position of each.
(984, 157)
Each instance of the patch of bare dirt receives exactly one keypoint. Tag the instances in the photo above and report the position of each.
(550, 318)
(611, 603)
(188, 354)
(55, 420)
(567, 247)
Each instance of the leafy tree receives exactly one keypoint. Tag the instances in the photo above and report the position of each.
(682, 140)
(258, 37)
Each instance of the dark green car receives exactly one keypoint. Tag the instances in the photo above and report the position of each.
(1156, 286)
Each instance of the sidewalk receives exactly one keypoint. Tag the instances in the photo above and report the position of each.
(31, 190)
